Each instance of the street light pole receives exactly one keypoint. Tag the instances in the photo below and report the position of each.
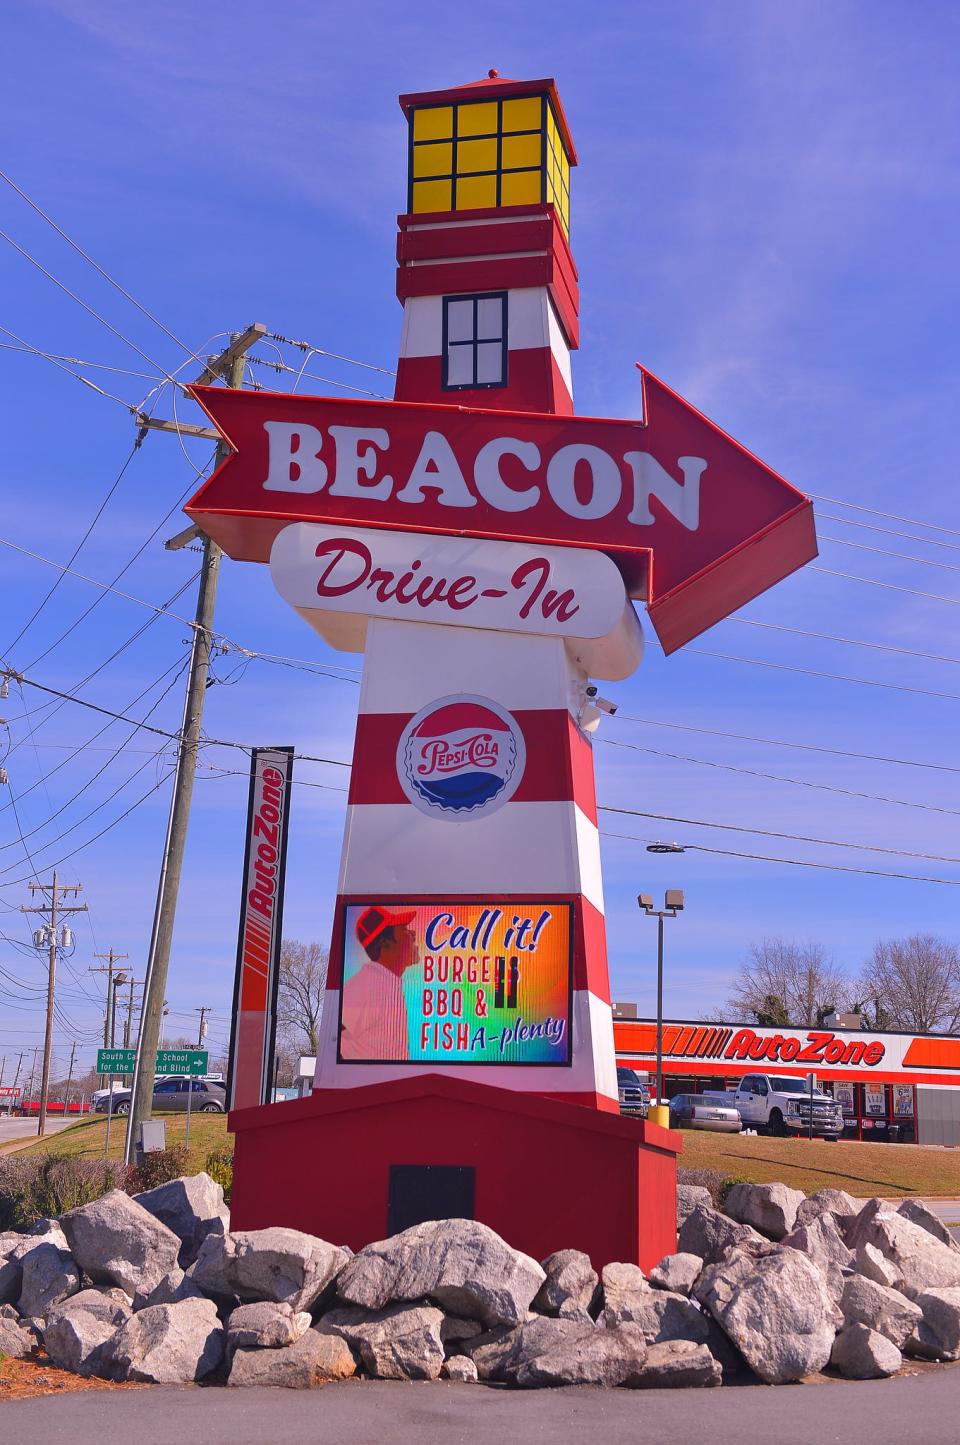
(659, 1113)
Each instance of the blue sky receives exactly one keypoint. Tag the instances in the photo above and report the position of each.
(765, 214)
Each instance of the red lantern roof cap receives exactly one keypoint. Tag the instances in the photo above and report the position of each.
(494, 87)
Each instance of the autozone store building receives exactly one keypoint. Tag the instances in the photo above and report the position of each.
(903, 1087)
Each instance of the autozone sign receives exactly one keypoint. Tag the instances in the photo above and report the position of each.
(696, 524)
(817, 1046)
(9, 1093)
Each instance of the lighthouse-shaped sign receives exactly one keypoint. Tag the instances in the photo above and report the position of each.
(482, 546)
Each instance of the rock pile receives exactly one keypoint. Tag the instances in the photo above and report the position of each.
(158, 1289)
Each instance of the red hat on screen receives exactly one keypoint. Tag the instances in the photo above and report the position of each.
(375, 919)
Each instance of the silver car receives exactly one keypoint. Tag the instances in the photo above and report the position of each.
(700, 1111)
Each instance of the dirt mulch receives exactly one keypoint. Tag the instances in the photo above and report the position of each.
(26, 1379)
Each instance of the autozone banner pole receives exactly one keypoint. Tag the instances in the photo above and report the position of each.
(253, 1026)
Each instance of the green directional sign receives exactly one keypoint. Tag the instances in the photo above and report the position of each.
(116, 1061)
(182, 1061)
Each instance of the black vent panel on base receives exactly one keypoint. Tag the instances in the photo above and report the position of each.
(419, 1192)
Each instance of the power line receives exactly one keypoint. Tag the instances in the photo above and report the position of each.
(847, 641)
(29, 350)
(887, 586)
(793, 862)
(886, 552)
(89, 309)
(770, 833)
(97, 267)
(333, 355)
(889, 516)
(785, 743)
(814, 672)
(79, 547)
(779, 778)
(84, 380)
(887, 531)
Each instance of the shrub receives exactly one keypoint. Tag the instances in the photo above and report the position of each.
(158, 1167)
(710, 1179)
(219, 1166)
(46, 1186)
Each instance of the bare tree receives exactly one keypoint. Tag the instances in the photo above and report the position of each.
(783, 983)
(303, 979)
(913, 983)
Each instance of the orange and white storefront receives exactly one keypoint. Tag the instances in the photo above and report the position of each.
(894, 1086)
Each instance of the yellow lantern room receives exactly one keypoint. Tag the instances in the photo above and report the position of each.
(487, 145)
(485, 271)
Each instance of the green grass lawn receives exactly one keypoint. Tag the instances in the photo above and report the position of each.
(87, 1137)
(863, 1170)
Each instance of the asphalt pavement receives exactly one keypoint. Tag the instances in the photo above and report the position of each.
(922, 1408)
(15, 1129)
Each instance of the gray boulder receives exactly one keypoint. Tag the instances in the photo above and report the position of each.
(688, 1197)
(827, 1201)
(167, 1344)
(774, 1305)
(863, 1354)
(458, 1367)
(493, 1352)
(282, 1265)
(265, 1326)
(920, 1260)
(918, 1213)
(566, 1352)
(937, 1336)
(873, 1265)
(15, 1341)
(77, 1330)
(771, 1209)
(883, 1310)
(454, 1332)
(312, 1360)
(709, 1234)
(192, 1207)
(676, 1273)
(116, 1241)
(13, 1249)
(676, 1364)
(822, 1243)
(661, 1316)
(48, 1275)
(461, 1264)
(399, 1343)
(173, 1288)
(624, 1285)
(571, 1283)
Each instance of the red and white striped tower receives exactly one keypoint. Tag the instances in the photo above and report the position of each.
(490, 298)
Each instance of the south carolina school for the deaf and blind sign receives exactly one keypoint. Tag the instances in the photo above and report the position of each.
(456, 983)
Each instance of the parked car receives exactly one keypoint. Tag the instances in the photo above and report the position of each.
(698, 1111)
(171, 1095)
(633, 1093)
(779, 1104)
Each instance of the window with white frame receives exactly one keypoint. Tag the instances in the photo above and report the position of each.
(475, 341)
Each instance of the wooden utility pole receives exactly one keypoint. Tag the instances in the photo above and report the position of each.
(66, 1092)
(228, 365)
(203, 1027)
(54, 940)
(111, 957)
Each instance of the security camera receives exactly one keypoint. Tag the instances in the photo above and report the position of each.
(603, 703)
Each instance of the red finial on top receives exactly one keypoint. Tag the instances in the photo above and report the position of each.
(494, 74)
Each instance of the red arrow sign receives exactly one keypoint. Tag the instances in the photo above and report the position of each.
(697, 525)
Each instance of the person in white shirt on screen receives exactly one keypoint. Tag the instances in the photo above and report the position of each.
(373, 1020)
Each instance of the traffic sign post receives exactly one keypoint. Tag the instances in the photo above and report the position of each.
(109, 1063)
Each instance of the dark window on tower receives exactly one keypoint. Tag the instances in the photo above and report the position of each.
(475, 341)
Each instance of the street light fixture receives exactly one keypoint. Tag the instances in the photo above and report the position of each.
(672, 905)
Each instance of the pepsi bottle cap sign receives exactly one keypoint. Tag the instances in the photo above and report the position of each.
(460, 758)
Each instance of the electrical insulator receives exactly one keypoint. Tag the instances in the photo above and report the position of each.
(203, 1029)
(4, 776)
(66, 936)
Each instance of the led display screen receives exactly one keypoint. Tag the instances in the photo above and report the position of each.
(456, 983)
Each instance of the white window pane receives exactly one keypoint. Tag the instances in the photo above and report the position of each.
(460, 366)
(490, 318)
(490, 362)
(460, 321)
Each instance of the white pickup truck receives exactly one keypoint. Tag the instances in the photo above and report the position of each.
(778, 1104)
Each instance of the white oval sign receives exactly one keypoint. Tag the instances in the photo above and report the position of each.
(417, 577)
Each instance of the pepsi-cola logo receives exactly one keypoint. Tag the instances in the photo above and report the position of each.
(460, 757)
